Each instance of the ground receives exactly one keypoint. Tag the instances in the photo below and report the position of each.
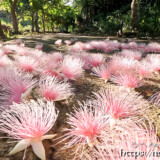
(84, 88)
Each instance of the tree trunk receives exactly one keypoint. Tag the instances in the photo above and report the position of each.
(135, 15)
(52, 27)
(36, 22)
(2, 36)
(32, 22)
(43, 21)
(13, 14)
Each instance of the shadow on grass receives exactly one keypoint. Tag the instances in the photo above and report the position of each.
(147, 90)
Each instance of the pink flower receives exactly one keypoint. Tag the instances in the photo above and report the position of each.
(29, 122)
(4, 61)
(84, 56)
(54, 90)
(144, 69)
(103, 72)
(119, 104)
(16, 84)
(86, 127)
(154, 60)
(23, 51)
(27, 64)
(132, 54)
(94, 44)
(36, 54)
(87, 47)
(68, 43)
(72, 67)
(58, 42)
(125, 46)
(10, 48)
(142, 46)
(114, 45)
(55, 56)
(39, 46)
(19, 41)
(121, 64)
(128, 80)
(77, 47)
(4, 51)
(128, 138)
(96, 60)
(50, 64)
(48, 70)
(154, 47)
(133, 45)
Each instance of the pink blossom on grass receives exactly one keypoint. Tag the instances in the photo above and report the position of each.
(141, 46)
(54, 90)
(86, 127)
(96, 60)
(133, 45)
(28, 122)
(84, 56)
(50, 64)
(128, 80)
(119, 104)
(10, 48)
(55, 56)
(154, 60)
(77, 47)
(72, 68)
(23, 51)
(129, 137)
(39, 46)
(4, 51)
(122, 64)
(128, 63)
(102, 46)
(19, 41)
(144, 69)
(132, 54)
(87, 47)
(94, 44)
(17, 85)
(125, 46)
(114, 45)
(58, 42)
(154, 47)
(4, 61)
(27, 64)
(105, 46)
(36, 54)
(67, 42)
(103, 72)
(49, 71)
(1, 52)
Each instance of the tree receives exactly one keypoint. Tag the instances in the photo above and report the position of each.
(13, 4)
(2, 36)
(135, 15)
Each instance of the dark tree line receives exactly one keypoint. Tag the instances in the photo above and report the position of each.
(84, 15)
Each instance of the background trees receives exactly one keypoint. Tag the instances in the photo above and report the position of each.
(92, 16)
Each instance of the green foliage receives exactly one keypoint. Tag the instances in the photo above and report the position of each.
(150, 20)
(90, 16)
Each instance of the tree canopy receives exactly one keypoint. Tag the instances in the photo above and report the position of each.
(100, 16)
